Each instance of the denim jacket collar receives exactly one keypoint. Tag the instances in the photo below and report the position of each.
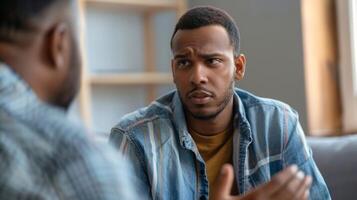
(240, 118)
(179, 120)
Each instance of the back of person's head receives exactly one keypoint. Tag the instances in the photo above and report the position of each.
(38, 41)
(205, 16)
(19, 19)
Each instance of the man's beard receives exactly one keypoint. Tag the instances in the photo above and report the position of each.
(221, 105)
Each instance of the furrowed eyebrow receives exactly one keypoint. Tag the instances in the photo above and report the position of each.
(211, 55)
(178, 56)
(203, 55)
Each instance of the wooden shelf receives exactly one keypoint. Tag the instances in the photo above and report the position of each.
(137, 4)
(150, 78)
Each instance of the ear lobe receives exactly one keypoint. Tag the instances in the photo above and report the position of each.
(240, 63)
(58, 41)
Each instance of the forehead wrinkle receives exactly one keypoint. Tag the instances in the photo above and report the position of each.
(207, 38)
(185, 52)
(204, 53)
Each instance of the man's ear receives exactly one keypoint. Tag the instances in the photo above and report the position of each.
(240, 63)
(58, 45)
(173, 70)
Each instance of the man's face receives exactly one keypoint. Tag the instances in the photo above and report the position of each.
(204, 69)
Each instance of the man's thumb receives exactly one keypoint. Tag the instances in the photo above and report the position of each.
(224, 182)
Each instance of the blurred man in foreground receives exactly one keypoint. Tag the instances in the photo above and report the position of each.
(42, 154)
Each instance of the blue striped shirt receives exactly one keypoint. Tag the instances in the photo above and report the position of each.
(45, 156)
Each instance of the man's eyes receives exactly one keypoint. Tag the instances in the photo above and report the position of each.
(214, 61)
(183, 63)
(209, 62)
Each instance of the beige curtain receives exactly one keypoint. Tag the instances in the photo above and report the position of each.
(347, 37)
(321, 67)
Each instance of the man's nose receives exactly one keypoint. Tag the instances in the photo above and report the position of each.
(198, 74)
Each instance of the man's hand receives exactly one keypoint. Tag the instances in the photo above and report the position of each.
(288, 184)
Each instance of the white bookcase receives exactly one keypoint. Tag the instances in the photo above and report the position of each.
(126, 53)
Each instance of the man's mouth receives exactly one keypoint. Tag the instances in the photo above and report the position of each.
(200, 96)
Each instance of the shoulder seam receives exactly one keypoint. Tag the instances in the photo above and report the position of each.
(166, 107)
(142, 121)
(137, 150)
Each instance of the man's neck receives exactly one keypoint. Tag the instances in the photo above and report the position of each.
(212, 126)
(25, 63)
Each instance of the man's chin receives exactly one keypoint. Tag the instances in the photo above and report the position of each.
(204, 115)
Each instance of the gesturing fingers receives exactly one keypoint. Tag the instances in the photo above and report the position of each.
(280, 180)
(303, 192)
(224, 183)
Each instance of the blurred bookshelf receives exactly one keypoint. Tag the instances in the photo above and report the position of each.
(126, 56)
(131, 78)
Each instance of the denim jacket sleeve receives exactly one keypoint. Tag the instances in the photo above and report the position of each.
(296, 151)
(131, 153)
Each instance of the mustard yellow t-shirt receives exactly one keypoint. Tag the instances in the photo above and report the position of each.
(216, 150)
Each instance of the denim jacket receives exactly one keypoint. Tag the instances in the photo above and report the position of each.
(267, 138)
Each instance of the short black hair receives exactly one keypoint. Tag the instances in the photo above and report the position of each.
(18, 16)
(208, 15)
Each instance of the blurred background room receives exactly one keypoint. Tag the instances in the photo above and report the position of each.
(300, 52)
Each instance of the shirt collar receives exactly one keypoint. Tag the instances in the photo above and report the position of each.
(18, 100)
(12, 87)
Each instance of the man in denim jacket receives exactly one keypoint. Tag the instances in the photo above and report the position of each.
(179, 143)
